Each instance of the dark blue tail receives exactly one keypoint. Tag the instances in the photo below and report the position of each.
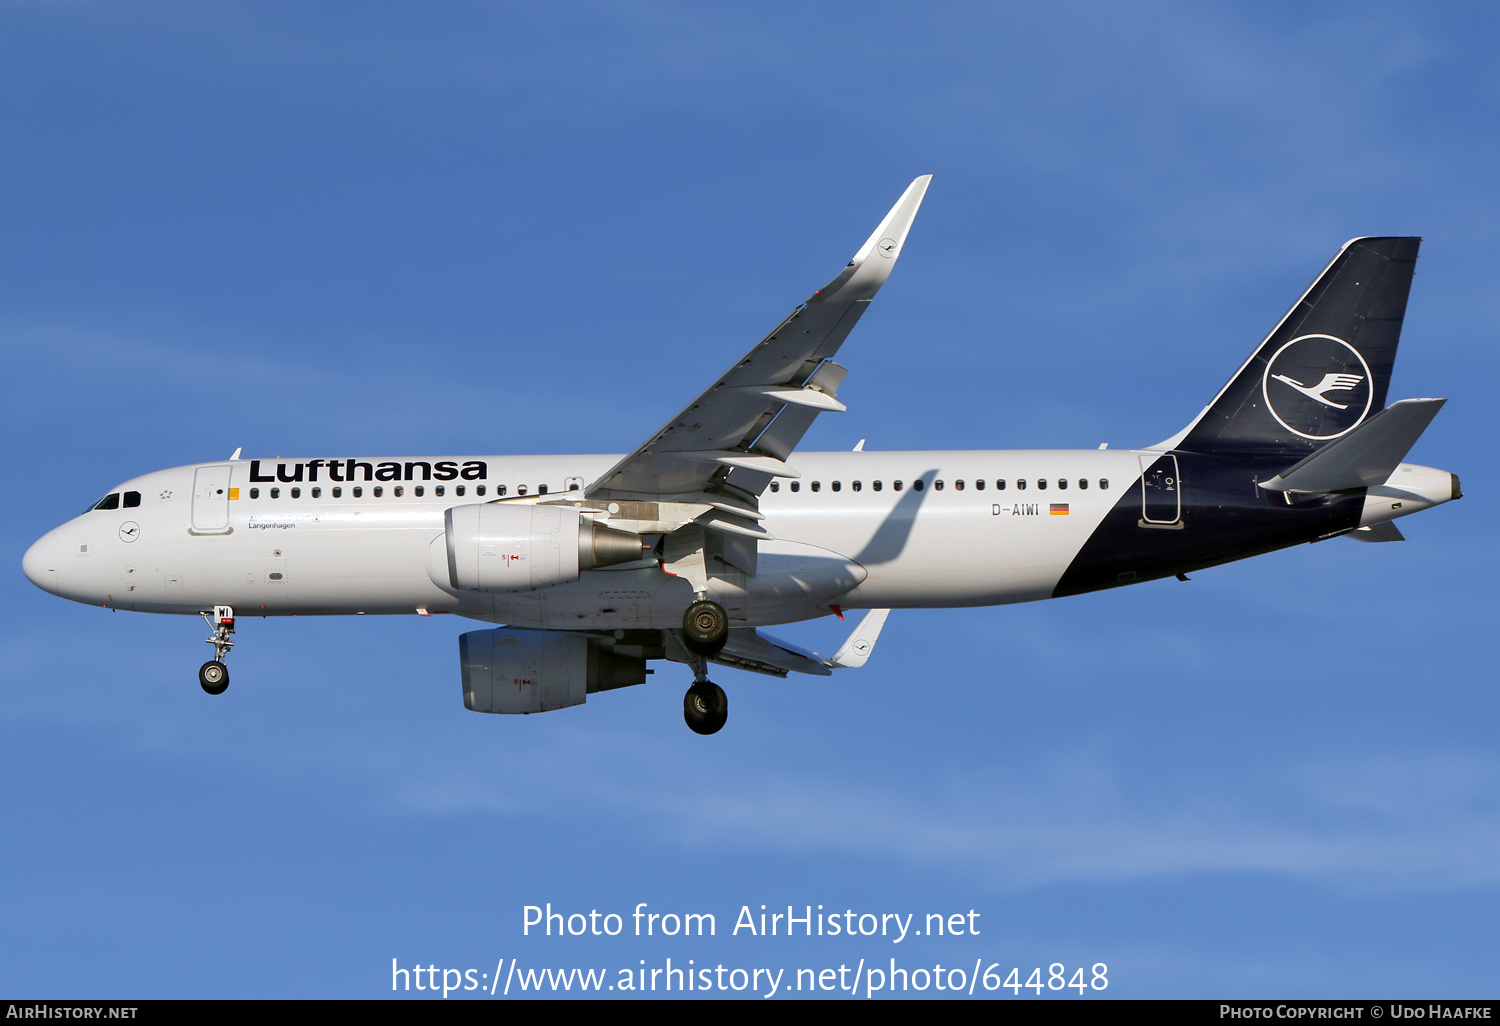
(1325, 368)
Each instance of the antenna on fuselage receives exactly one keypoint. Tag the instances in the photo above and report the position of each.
(236, 453)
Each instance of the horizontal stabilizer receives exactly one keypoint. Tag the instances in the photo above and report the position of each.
(1385, 531)
(1366, 456)
(861, 643)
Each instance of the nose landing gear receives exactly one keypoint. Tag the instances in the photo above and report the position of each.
(213, 675)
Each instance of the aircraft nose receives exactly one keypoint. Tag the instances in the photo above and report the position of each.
(40, 564)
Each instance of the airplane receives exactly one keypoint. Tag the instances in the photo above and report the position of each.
(714, 527)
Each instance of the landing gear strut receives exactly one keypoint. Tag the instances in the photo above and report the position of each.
(213, 675)
(705, 627)
(705, 707)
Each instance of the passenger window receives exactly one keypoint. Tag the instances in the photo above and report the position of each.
(317, 493)
(378, 491)
(856, 486)
(959, 484)
(459, 490)
(1021, 483)
(896, 486)
(275, 493)
(979, 485)
(1041, 483)
(796, 486)
(132, 499)
(255, 493)
(837, 485)
(417, 491)
(817, 486)
(938, 485)
(541, 489)
(479, 489)
(110, 501)
(572, 487)
(520, 489)
(296, 493)
(438, 490)
(1000, 484)
(877, 486)
(338, 492)
(1062, 482)
(358, 491)
(1083, 482)
(918, 485)
(775, 486)
(1104, 482)
(400, 491)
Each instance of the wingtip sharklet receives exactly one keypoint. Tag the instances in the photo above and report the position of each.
(855, 651)
(863, 276)
(897, 223)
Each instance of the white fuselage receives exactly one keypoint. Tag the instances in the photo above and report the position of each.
(966, 543)
(856, 533)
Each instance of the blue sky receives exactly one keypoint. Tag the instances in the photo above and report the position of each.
(490, 228)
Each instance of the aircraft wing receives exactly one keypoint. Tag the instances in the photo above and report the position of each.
(733, 439)
(749, 649)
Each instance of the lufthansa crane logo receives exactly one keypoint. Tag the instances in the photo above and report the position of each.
(1318, 387)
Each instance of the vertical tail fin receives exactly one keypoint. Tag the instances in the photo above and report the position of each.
(1325, 368)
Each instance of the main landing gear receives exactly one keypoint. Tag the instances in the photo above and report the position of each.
(214, 675)
(705, 629)
(705, 707)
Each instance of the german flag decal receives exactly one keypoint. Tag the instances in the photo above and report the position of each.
(1058, 509)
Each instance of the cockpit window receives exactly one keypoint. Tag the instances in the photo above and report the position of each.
(110, 501)
(132, 500)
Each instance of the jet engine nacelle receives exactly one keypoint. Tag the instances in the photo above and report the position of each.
(498, 546)
(513, 670)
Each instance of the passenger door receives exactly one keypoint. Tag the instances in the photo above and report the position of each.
(211, 500)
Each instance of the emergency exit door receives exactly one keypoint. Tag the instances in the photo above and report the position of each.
(211, 500)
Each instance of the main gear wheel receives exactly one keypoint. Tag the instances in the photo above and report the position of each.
(705, 707)
(705, 627)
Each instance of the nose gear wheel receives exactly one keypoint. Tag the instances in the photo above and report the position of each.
(214, 677)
